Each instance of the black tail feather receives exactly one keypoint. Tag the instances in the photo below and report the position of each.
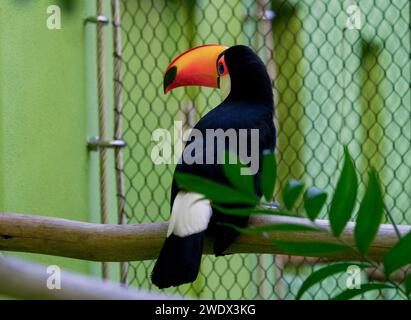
(179, 260)
(224, 235)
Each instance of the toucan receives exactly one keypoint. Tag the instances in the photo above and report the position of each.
(248, 104)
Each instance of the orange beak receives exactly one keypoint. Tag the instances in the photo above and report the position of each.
(195, 67)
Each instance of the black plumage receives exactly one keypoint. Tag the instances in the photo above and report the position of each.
(249, 105)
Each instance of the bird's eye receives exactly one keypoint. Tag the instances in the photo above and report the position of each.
(221, 68)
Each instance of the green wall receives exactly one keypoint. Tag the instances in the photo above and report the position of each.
(47, 110)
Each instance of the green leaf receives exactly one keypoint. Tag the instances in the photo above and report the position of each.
(408, 285)
(399, 255)
(232, 171)
(242, 212)
(323, 273)
(268, 174)
(345, 193)
(291, 192)
(249, 211)
(214, 191)
(288, 227)
(369, 215)
(309, 248)
(314, 200)
(351, 293)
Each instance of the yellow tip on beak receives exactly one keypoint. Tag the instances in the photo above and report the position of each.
(195, 67)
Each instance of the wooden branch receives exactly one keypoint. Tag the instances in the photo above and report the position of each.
(25, 280)
(98, 242)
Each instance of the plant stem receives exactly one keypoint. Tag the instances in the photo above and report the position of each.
(392, 222)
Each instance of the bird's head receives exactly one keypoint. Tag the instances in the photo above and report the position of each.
(236, 70)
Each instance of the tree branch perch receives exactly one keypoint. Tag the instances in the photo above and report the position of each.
(98, 242)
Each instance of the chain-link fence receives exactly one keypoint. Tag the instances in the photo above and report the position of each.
(341, 74)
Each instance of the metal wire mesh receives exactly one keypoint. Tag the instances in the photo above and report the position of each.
(338, 77)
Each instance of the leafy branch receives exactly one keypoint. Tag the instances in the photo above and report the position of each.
(368, 219)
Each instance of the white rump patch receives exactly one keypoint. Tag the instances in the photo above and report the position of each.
(189, 215)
